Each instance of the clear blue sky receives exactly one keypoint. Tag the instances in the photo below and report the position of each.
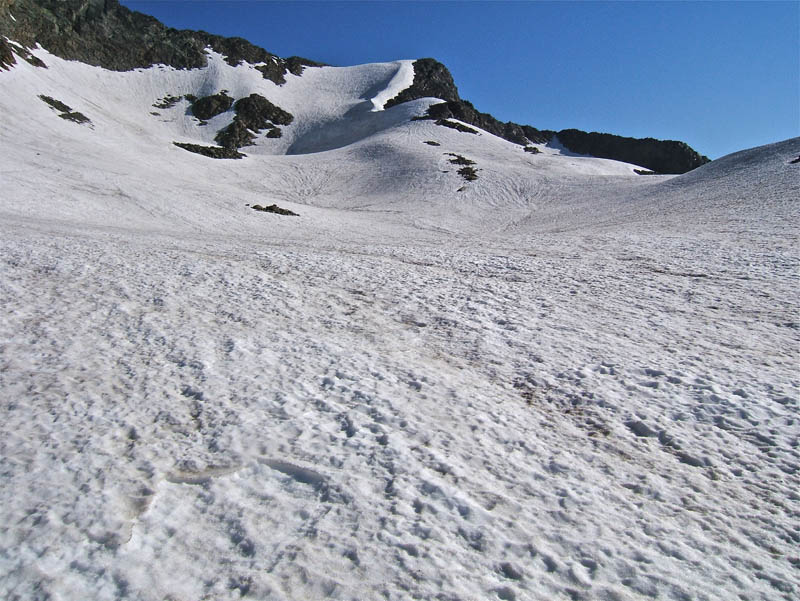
(721, 76)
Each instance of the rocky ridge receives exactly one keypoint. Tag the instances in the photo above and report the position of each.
(105, 33)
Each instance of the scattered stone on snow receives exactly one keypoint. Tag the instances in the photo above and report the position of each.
(532, 149)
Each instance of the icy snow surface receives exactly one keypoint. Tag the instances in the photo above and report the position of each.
(561, 381)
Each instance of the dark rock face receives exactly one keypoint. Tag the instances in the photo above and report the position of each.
(106, 34)
(661, 156)
(210, 106)
(7, 58)
(235, 136)
(257, 112)
(431, 80)
(56, 104)
(253, 114)
(537, 136)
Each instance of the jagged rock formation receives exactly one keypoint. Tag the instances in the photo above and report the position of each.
(661, 156)
(106, 34)
(431, 80)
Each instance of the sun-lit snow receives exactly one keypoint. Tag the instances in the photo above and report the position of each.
(560, 381)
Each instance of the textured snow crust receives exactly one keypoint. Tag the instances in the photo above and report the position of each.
(561, 381)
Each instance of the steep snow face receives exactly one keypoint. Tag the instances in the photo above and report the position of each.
(557, 381)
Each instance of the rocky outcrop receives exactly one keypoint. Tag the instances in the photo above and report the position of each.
(431, 80)
(210, 106)
(64, 111)
(660, 156)
(273, 208)
(253, 114)
(213, 152)
(463, 110)
(106, 34)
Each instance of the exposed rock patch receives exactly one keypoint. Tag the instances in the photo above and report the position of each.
(214, 152)
(457, 126)
(56, 104)
(75, 117)
(463, 110)
(9, 49)
(273, 208)
(166, 102)
(468, 173)
(253, 114)
(532, 149)
(64, 111)
(459, 160)
(210, 106)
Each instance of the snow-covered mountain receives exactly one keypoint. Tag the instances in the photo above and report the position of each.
(468, 368)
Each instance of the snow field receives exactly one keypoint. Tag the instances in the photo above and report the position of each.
(562, 382)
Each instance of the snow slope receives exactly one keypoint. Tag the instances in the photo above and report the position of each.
(564, 381)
